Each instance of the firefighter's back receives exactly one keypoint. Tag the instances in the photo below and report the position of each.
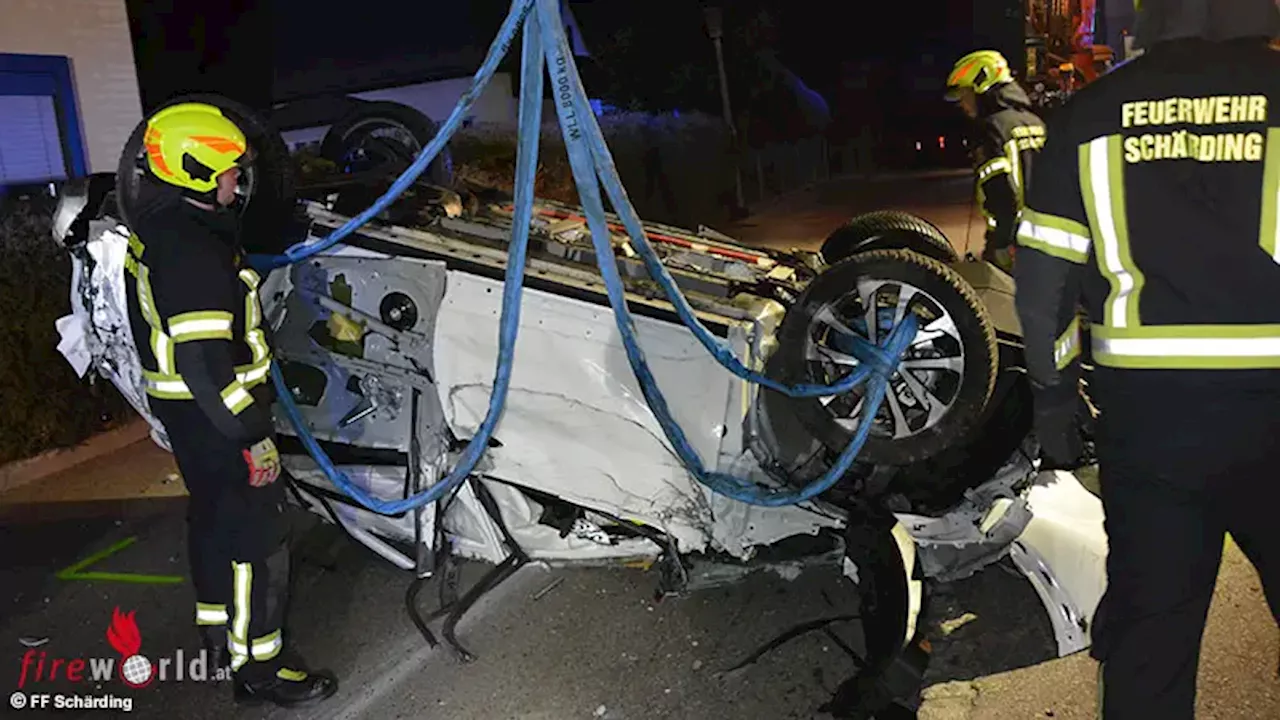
(1179, 155)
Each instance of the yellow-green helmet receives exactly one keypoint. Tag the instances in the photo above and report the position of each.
(190, 144)
(980, 70)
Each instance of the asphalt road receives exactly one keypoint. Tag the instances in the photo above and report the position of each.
(558, 643)
(551, 643)
(803, 219)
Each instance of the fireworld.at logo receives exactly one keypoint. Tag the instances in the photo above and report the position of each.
(132, 667)
(124, 636)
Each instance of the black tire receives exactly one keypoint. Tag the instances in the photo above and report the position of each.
(888, 230)
(939, 290)
(268, 211)
(938, 484)
(415, 131)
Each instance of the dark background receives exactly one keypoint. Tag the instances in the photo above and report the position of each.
(889, 58)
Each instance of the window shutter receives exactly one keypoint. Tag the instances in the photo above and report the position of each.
(30, 144)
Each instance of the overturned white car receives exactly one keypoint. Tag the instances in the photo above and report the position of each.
(388, 341)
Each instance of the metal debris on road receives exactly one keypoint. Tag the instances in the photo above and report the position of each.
(554, 584)
(950, 626)
(791, 634)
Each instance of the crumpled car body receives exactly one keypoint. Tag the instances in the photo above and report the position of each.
(388, 342)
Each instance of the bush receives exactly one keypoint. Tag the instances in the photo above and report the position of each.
(44, 406)
(486, 156)
(677, 169)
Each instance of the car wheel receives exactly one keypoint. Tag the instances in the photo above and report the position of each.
(267, 186)
(385, 134)
(887, 230)
(947, 373)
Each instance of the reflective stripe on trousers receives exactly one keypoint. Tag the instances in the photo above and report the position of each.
(243, 650)
(211, 614)
(1067, 347)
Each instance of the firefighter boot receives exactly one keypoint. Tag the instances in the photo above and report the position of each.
(286, 683)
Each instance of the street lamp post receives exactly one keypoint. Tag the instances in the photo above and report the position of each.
(715, 28)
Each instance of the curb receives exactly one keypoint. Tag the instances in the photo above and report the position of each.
(22, 472)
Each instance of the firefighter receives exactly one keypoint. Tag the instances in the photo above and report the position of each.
(1154, 205)
(1009, 133)
(197, 323)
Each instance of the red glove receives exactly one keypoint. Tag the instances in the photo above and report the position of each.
(264, 462)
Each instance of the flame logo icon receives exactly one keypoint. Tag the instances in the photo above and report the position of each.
(123, 634)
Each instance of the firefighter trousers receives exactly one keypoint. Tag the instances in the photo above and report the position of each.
(1180, 469)
(236, 539)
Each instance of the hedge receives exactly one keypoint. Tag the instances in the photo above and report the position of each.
(677, 169)
(43, 405)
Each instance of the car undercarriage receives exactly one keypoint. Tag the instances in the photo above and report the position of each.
(387, 344)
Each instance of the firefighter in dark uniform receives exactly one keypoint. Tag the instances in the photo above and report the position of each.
(1009, 134)
(1155, 206)
(197, 324)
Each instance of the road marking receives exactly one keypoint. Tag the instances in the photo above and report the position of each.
(73, 572)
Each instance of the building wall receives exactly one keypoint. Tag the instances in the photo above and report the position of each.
(94, 35)
(496, 105)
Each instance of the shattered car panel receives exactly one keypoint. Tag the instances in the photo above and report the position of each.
(100, 317)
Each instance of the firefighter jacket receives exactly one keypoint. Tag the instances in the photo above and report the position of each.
(1155, 206)
(196, 318)
(1010, 135)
